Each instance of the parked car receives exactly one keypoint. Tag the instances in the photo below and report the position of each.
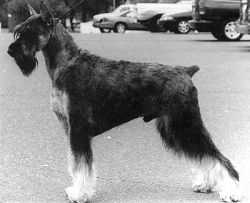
(150, 20)
(178, 23)
(176, 18)
(217, 17)
(141, 16)
(121, 19)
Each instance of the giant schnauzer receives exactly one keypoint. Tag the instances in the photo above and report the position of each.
(92, 94)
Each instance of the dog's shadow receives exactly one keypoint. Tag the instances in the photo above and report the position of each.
(149, 192)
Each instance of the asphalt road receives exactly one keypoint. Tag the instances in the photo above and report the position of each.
(132, 164)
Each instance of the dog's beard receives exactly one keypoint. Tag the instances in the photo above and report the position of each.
(26, 63)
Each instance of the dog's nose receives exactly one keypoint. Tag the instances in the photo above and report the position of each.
(11, 51)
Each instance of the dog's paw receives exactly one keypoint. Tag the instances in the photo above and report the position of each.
(230, 196)
(201, 188)
(229, 190)
(75, 196)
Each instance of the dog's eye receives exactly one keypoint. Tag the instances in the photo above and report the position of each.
(16, 35)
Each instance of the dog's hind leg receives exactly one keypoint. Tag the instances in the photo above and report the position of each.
(182, 130)
(80, 159)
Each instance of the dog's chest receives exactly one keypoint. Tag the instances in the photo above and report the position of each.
(59, 101)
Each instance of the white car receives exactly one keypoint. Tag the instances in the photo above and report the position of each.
(121, 19)
(141, 16)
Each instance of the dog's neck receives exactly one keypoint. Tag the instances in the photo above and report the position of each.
(60, 51)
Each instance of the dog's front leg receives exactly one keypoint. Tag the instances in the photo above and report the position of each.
(80, 159)
(83, 178)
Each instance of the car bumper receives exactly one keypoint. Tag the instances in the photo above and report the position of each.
(105, 25)
(243, 28)
(201, 25)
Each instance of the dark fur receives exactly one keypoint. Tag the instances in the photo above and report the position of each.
(104, 93)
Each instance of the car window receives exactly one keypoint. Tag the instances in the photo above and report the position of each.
(131, 14)
(170, 1)
(121, 9)
(124, 14)
(124, 9)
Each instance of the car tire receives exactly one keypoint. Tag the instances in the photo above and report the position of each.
(225, 31)
(105, 30)
(182, 27)
(120, 28)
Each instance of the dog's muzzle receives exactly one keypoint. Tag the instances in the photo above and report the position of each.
(11, 50)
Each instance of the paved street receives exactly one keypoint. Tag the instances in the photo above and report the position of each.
(132, 164)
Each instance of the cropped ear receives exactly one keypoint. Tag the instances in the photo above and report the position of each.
(32, 11)
(46, 15)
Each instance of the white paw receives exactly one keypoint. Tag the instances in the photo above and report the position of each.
(76, 196)
(226, 196)
(201, 182)
(202, 188)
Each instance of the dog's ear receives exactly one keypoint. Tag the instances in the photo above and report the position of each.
(46, 14)
(32, 11)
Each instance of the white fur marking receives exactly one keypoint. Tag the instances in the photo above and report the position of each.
(59, 101)
(59, 104)
(83, 179)
(212, 176)
(83, 187)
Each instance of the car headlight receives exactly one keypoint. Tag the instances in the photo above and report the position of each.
(166, 17)
(103, 20)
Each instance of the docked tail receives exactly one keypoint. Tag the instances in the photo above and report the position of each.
(191, 70)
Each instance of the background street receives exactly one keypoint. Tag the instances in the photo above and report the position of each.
(132, 165)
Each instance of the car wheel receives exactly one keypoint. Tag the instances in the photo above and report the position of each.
(120, 28)
(226, 31)
(182, 27)
(105, 30)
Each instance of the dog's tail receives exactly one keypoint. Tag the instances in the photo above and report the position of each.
(191, 70)
(185, 134)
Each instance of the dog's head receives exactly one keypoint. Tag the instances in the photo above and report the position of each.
(30, 37)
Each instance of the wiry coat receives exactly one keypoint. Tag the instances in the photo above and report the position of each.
(110, 93)
(92, 94)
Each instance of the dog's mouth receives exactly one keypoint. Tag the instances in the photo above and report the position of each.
(26, 63)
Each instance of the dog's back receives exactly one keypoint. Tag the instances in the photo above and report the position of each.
(125, 90)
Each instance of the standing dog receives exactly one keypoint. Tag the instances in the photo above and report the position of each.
(92, 94)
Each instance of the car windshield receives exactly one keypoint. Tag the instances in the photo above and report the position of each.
(121, 10)
(173, 1)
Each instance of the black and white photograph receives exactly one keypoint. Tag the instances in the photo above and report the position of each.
(124, 101)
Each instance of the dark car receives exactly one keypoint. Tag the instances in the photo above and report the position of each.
(176, 18)
(177, 23)
(218, 17)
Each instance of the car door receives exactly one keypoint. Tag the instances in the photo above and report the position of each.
(131, 19)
